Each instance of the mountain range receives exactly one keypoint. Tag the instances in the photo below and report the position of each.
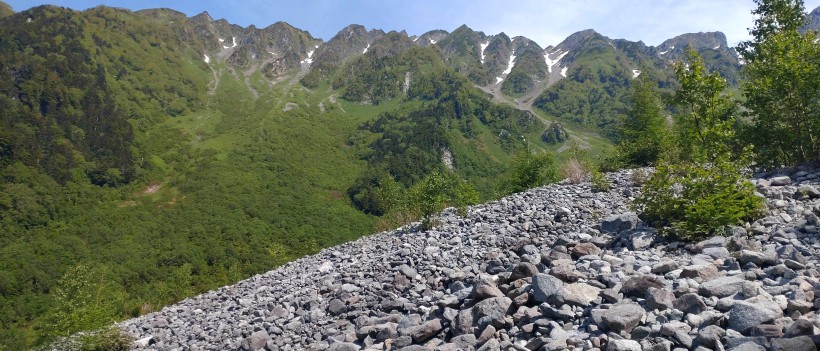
(166, 155)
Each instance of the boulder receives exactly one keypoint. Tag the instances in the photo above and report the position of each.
(618, 223)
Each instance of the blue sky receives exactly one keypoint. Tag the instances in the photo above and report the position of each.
(545, 21)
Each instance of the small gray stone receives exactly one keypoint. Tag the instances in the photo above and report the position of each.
(584, 249)
(700, 272)
(343, 346)
(748, 346)
(523, 270)
(690, 303)
(580, 294)
(426, 331)
(721, 287)
(800, 343)
(745, 315)
(637, 286)
(623, 345)
(494, 309)
(780, 181)
(622, 316)
(485, 288)
(408, 271)
(336, 307)
(665, 266)
(256, 341)
(490, 345)
(800, 327)
(659, 299)
(546, 288)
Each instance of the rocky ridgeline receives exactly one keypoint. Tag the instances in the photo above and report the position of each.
(554, 268)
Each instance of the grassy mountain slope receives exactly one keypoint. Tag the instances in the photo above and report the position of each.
(116, 160)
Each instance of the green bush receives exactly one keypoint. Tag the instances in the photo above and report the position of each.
(691, 201)
(529, 170)
(598, 181)
(435, 192)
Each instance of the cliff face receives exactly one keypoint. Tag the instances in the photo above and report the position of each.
(551, 268)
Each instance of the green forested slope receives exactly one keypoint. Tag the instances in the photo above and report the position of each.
(140, 174)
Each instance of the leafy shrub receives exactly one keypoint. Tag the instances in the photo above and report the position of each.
(529, 170)
(598, 181)
(435, 192)
(691, 201)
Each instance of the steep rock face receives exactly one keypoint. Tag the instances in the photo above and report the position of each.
(277, 48)
(462, 50)
(713, 48)
(351, 41)
(497, 54)
(528, 70)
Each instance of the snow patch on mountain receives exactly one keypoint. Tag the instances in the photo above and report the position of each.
(309, 58)
(716, 47)
(483, 47)
(670, 49)
(636, 73)
(498, 80)
(553, 62)
(206, 59)
(510, 64)
(564, 72)
(365, 49)
(432, 41)
(233, 45)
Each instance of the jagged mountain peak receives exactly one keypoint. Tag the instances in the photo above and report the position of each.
(712, 46)
(581, 38)
(699, 41)
(352, 40)
(431, 37)
(524, 43)
(203, 16)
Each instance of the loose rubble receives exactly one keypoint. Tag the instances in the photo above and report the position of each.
(554, 268)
